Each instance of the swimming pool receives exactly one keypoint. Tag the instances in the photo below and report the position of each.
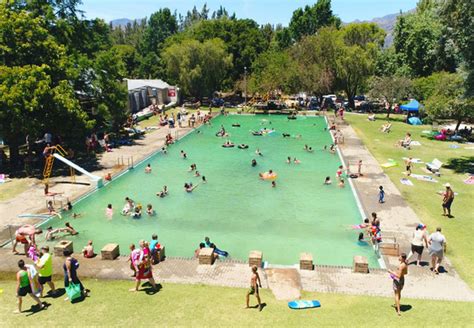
(236, 209)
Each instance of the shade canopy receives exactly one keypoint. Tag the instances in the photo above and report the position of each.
(412, 106)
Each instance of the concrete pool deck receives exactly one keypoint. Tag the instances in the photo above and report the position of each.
(397, 219)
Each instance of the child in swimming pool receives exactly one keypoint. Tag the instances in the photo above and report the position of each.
(149, 210)
(204, 179)
(197, 174)
(108, 211)
(296, 161)
(288, 160)
(327, 181)
(254, 163)
(341, 183)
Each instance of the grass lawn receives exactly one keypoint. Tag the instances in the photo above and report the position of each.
(111, 304)
(15, 187)
(422, 196)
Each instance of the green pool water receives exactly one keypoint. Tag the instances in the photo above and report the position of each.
(236, 209)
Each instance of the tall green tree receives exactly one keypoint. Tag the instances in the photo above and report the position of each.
(307, 20)
(446, 99)
(197, 67)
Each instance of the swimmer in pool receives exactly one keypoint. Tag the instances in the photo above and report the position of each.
(148, 169)
(197, 174)
(341, 183)
(361, 240)
(183, 154)
(204, 179)
(188, 187)
(109, 211)
(149, 210)
(286, 135)
(288, 160)
(274, 184)
(164, 150)
(296, 161)
(254, 163)
(163, 193)
(258, 152)
(192, 167)
(327, 181)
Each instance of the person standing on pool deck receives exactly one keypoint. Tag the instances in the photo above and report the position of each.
(255, 283)
(381, 195)
(448, 197)
(45, 269)
(70, 272)
(436, 249)
(23, 286)
(399, 280)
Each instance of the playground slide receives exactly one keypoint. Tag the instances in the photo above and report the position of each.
(76, 167)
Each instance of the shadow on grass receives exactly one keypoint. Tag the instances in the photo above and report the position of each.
(405, 307)
(461, 164)
(36, 308)
(58, 293)
(149, 290)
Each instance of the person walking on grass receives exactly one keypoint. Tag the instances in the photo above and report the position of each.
(436, 249)
(145, 270)
(23, 286)
(381, 195)
(448, 197)
(70, 273)
(398, 278)
(45, 269)
(255, 284)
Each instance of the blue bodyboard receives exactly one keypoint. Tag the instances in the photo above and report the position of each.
(299, 304)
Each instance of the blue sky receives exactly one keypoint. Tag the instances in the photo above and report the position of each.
(263, 11)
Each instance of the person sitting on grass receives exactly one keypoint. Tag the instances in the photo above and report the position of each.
(406, 141)
(385, 128)
(88, 251)
(23, 286)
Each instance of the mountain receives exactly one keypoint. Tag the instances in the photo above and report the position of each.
(387, 23)
(120, 22)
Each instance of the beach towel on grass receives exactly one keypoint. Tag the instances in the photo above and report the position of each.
(424, 178)
(406, 182)
(415, 143)
(469, 180)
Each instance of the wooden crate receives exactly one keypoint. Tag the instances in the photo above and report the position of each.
(110, 252)
(255, 258)
(63, 245)
(306, 261)
(360, 264)
(206, 256)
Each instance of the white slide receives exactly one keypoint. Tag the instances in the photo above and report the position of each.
(76, 167)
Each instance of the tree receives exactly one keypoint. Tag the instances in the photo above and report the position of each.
(355, 60)
(419, 41)
(447, 99)
(315, 58)
(457, 16)
(35, 88)
(111, 95)
(197, 67)
(310, 19)
(273, 70)
(391, 89)
(161, 25)
(242, 37)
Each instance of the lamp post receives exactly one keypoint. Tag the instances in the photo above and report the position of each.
(245, 84)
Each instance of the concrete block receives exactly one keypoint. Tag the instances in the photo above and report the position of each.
(360, 264)
(206, 256)
(306, 261)
(63, 245)
(110, 252)
(255, 258)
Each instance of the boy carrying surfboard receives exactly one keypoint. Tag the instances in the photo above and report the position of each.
(255, 283)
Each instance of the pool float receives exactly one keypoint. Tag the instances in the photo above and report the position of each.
(441, 137)
(242, 146)
(268, 176)
(390, 163)
(291, 117)
(228, 145)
